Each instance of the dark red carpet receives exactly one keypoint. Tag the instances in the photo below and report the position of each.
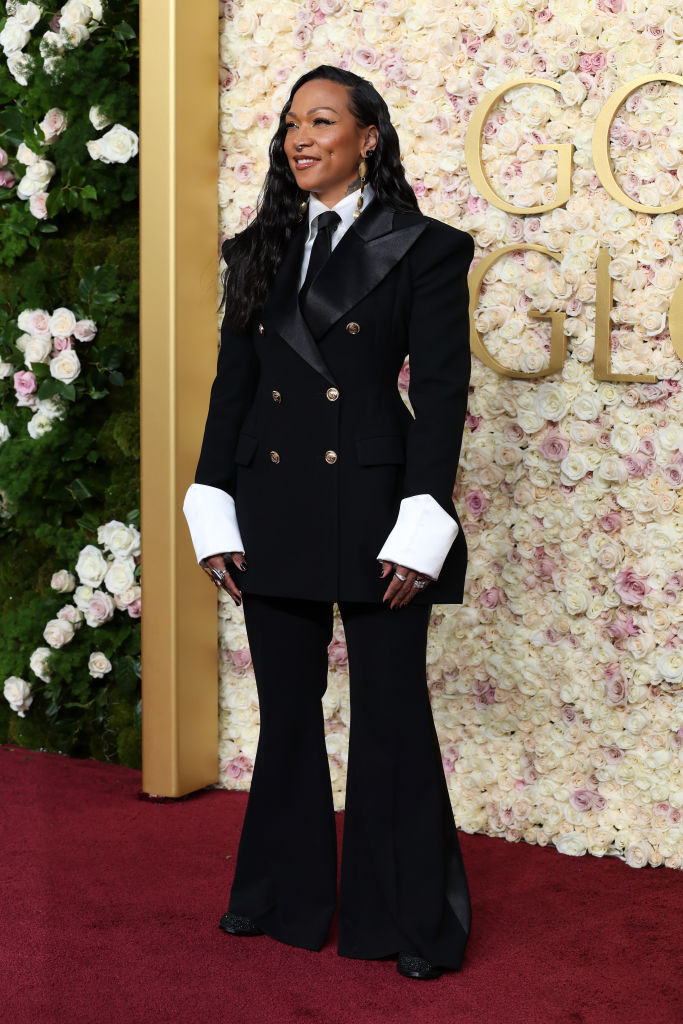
(110, 913)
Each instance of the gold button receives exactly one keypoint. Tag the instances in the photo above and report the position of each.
(261, 329)
(330, 457)
(332, 394)
(274, 457)
(353, 327)
(277, 397)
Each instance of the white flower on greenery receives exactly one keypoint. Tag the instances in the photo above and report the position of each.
(37, 204)
(119, 539)
(118, 146)
(95, 8)
(98, 665)
(4, 432)
(65, 366)
(6, 369)
(73, 34)
(84, 330)
(28, 14)
(100, 608)
(63, 581)
(53, 124)
(128, 597)
(34, 321)
(71, 613)
(53, 407)
(62, 322)
(50, 45)
(38, 425)
(91, 566)
(18, 694)
(25, 155)
(120, 575)
(81, 598)
(58, 632)
(37, 350)
(38, 175)
(14, 36)
(76, 12)
(19, 66)
(97, 119)
(38, 663)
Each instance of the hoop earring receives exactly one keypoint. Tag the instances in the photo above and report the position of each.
(362, 174)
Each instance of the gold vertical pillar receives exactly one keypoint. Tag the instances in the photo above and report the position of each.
(178, 327)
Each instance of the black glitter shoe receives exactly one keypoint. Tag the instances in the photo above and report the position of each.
(412, 966)
(238, 924)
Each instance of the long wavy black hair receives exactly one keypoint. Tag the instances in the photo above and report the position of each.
(253, 256)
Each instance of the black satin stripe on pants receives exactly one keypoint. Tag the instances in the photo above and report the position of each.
(403, 882)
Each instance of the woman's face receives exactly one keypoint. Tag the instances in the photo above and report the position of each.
(323, 143)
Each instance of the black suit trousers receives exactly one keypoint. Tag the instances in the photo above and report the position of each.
(403, 882)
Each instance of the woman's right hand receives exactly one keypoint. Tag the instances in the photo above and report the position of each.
(218, 562)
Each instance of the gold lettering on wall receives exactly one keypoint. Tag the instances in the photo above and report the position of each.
(603, 330)
(601, 154)
(558, 341)
(473, 156)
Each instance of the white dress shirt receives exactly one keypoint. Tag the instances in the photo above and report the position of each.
(424, 531)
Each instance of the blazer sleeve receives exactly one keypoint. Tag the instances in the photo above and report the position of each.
(209, 505)
(440, 366)
(440, 362)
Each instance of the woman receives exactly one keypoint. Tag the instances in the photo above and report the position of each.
(312, 471)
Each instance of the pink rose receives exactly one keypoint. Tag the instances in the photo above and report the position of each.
(59, 344)
(631, 587)
(622, 626)
(611, 6)
(616, 687)
(476, 502)
(3, 157)
(85, 330)
(37, 205)
(404, 378)
(490, 598)
(337, 653)
(244, 170)
(582, 799)
(554, 447)
(25, 382)
(134, 609)
(100, 608)
(7, 179)
(610, 522)
(472, 422)
(241, 658)
(637, 464)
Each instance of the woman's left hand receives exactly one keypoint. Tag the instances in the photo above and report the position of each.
(402, 591)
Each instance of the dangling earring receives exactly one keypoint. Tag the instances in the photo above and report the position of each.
(362, 173)
(303, 206)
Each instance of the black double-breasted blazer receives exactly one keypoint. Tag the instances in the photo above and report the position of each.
(306, 427)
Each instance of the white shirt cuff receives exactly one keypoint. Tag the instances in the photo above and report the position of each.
(211, 516)
(422, 536)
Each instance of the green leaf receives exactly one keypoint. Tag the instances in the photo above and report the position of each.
(79, 490)
(89, 192)
(48, 388)
(117, 379)
(124, 31)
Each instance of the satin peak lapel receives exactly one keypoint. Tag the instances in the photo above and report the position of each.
(282, 310)
(369, 250)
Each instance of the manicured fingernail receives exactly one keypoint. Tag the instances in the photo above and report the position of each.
(243, 566)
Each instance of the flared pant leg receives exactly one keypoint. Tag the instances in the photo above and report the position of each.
(286, 870)
(403, 882)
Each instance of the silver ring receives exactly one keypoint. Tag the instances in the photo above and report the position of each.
(399, 577)
(420, 583)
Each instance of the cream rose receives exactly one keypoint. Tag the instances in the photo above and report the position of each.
(121, 540)
(63, 581)
(38, 663)
(58, 632)
(65, 366)
(120, 575)
(91, 566)
(118, 146)
(18, 694)
(98, 665)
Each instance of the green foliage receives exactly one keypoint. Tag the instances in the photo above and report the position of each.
(57, 489)
(100, 72)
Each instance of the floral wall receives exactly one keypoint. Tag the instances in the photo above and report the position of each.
(556, 686)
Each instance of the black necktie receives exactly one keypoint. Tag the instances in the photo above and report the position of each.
(322, 247)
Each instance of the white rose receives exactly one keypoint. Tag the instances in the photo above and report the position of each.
(637, 855)
(38, 425)
(670, 665)
(4, 432)
(95, 8)
(65, 366)
(576, 599)
(91, 566)
(37, 350)
(100, 608)
(97, 119)
(63, 581)
(118, 146)
(35, 322)
(18, 694)
(27, 14)
(73, 35)
(62, 322)
(38, 663)
(75, 12)
(572, 843)
(27, 187)
(98, 665)
(120, 575)
(19, 65)
(84, 330)
(551, 401)
(58, 632)
(40, 172)
(574, 467)
(119, 539)
(53, 407)
(14, 36)
(82, 597)
(94, 149)
(51, 44)
(6, 369)
(53, 124)
(587, 406)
